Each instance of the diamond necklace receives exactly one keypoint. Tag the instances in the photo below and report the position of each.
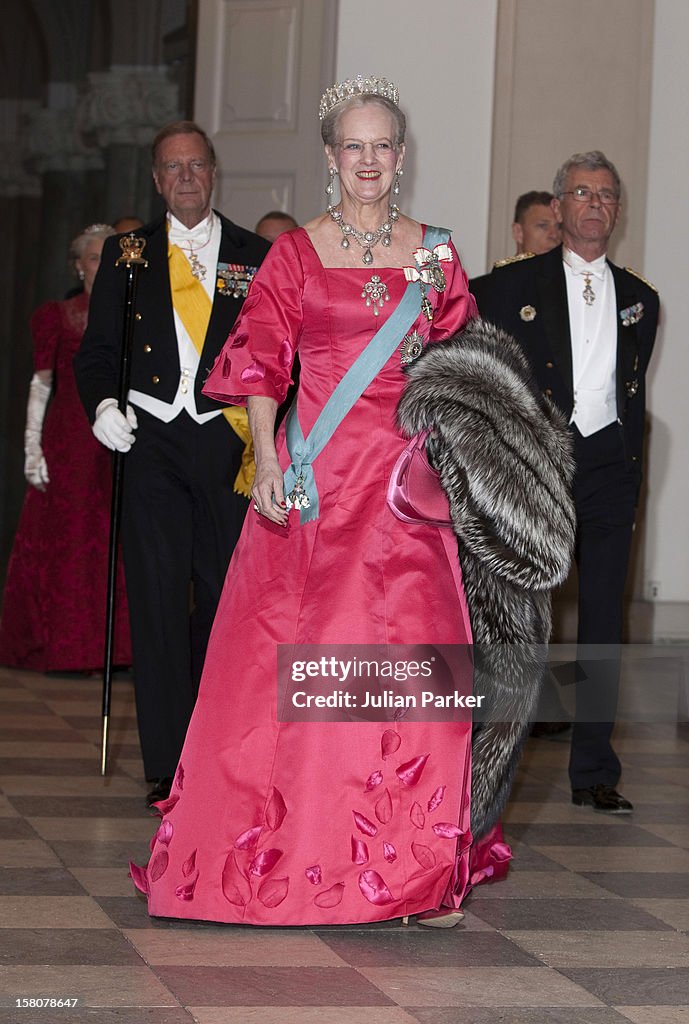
(366, 239)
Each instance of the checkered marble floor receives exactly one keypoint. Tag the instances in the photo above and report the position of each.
(592, 926)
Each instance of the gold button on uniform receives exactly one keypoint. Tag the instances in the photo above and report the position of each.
(548, 392)
(137, 316)
(156, 380)
(147, 348)
(549, 366)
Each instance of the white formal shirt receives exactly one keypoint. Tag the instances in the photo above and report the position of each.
(593, 330)
(204, 241)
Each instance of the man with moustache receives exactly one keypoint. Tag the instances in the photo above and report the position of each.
(588, 328)
(181, 516)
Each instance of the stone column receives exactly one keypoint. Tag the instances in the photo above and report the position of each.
(70, 171)
(122, 111)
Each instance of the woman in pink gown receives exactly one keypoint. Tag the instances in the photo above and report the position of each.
(275, 822)
(54, 602)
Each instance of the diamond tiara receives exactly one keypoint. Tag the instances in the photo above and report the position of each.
(359, 86)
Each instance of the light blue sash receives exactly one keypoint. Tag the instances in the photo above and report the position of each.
(302, 450)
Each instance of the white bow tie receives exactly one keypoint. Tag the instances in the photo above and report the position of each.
(578, 265)
(200, 233)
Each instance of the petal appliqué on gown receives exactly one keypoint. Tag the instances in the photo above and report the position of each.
(390, 853)
(248, 840)
(374, 888)
(359, 851)
(330, 897)
(253, 373)
(374, 779)
(185, 893)
(411, 771)
(273, 891)
(139, 877)
(189, 865)
(165, 832)
(423, 855)
(446, 830)
(276, 810)
(384, 808)
(437, 798)
(416, 815)
(364, 825)
(390, 742)
(264, 862)
(314, 874)
(158, 865)
(235, 886)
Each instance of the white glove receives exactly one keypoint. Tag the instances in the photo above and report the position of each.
(113, 429)
(35, 468)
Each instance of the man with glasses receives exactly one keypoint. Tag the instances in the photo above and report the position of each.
(588, 328)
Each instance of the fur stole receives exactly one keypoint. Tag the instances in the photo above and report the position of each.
(503, 453)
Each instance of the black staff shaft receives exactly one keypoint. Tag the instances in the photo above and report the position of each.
(132, 269)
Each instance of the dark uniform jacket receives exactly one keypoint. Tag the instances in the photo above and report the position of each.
(528, 298)
(155, 368)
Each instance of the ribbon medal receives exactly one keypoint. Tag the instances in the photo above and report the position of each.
(428, 272)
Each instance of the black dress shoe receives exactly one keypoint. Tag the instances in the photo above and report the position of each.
(160, 791)
(602, 798)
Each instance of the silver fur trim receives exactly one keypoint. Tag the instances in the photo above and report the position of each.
(503, 453)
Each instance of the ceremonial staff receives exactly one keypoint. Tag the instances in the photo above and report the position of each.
(132, 259)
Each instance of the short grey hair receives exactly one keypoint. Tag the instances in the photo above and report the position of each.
(331, 121)
(594, 160)
(78, 244)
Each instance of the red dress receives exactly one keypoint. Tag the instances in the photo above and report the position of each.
(54, 603)
(308, 823)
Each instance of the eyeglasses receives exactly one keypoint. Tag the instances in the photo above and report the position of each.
(585, 195)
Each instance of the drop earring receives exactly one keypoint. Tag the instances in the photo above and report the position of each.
(81, 275)
(396, 184)
(330, 187)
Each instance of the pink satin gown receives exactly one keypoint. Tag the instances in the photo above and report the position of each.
(313, 823)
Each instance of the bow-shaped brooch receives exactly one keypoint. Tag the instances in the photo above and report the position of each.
(429, 272)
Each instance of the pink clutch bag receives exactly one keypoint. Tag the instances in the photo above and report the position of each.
(414, 491)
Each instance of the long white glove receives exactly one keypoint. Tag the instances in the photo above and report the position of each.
(113, 429)
(35, 467)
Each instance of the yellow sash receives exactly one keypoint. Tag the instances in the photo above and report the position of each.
(193, 306)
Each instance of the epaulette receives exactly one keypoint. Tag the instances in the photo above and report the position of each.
(634, 272)
(512, 259)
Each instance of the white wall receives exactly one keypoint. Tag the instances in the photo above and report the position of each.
(441, 56)
(443, 60)
(665, 263)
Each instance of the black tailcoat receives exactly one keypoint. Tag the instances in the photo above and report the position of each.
(155, 365)
(180, 516)
(528, 298)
